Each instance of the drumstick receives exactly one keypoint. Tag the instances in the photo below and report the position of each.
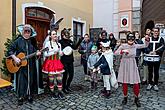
(159, 48)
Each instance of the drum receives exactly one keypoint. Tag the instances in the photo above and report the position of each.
(67, 50)
(151, 58)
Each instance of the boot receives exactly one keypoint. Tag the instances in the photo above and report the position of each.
(30, 99)
(20, 101)
(124, 102)
(92, 85)
(103, 91)
(60, 95)
(107, 94)
(54, 95)
(137, 102)
(95, 85)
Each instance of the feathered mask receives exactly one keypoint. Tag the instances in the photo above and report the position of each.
(55, 25)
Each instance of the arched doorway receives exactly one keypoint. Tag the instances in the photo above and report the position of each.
(39, 18)
(152, 13)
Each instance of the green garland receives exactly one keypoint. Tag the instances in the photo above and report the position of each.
(7, 45)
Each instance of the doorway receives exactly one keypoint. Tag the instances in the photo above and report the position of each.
(39, 18)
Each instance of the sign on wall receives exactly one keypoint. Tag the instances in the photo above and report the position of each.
(124, 21)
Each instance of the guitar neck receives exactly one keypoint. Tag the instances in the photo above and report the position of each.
(34, 54)
(29, 56)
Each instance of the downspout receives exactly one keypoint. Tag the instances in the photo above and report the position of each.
(13, 17)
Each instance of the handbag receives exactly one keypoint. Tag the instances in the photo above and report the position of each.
(113, 79)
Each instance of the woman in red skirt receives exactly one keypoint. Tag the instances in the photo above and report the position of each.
(52, 64)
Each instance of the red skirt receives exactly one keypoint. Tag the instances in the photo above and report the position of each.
(52, 66)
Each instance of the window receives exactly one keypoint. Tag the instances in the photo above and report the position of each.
(38, 13)
(77, 29)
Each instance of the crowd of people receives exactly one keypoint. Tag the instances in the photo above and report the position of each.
(109, 60)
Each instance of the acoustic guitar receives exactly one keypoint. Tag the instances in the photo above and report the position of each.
(13, 67)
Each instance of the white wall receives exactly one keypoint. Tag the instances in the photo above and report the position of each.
(103, 14)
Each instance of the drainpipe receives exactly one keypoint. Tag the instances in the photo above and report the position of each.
(13, 17)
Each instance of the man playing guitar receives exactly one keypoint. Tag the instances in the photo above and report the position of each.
(25, 74)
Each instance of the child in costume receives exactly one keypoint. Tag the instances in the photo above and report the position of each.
(92, 59)
(52, 64)
(128, 70)
(105, 65)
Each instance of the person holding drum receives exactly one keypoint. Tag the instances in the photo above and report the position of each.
(155, 51)
(67, 59)
(128, 70)
(85, 51)
(52, 64)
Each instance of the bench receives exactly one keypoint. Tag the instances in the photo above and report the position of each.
(4, 83)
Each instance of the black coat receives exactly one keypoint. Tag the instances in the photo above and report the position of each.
(26, 46)
(67, 42)
(161, 42)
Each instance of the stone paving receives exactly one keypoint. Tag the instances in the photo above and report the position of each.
(84, 99)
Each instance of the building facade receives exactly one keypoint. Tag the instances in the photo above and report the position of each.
(77, 14)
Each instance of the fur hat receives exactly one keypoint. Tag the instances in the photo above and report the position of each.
(107, 44)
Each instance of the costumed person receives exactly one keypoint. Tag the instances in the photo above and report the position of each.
(113, 41)
(102, 38)
(155, 48)
(145, 66)
(85, 50)
(105, 65)
(128, 70)
(53, 26)
(92, 59)
(23, 44)
(52, 64)
(138, 51)
(67, 59)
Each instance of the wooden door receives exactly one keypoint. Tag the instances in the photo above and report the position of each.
(41, 27)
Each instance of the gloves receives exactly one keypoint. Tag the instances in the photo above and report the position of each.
(17, 60)
(124, 51)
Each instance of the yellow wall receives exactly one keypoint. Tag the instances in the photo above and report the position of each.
(5, 25)
(63, 8)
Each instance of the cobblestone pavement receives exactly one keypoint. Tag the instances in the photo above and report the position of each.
(84, 99)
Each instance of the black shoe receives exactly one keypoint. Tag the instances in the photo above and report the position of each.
(92, 85)
(107, 95)
(55, 96)
(20, 101)
(103, 91)
(137, 102)
(61, 96)
(95, 85)
(65, 91)
(144, 82)
(30, 99)
(124, 102)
